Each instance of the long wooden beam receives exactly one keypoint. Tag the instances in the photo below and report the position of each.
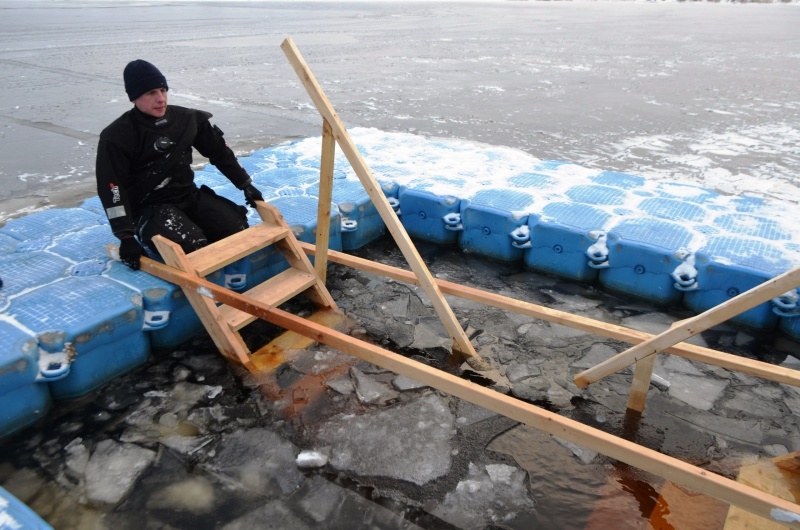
(387, 213)
(688, 351)
(692, 326)
(692, 477)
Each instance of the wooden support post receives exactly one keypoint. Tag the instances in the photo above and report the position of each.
(692, 326)
(768, 371)
(642, 374)
(325, 198)
(460, 340)
(692, 477)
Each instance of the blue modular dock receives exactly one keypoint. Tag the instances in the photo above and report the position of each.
(641, 259)
(495, 223)
(300, 214)
(24, 393)
(26, 270)
(7, 244)
(431, 217)
(728, 266)
(360, 220)
(96, 321)
(167, 317)
(72, 320)
(48, 224)
(15, 515)
(561, 238)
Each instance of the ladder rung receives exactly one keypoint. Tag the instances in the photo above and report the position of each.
(273, 292)
(216, 255)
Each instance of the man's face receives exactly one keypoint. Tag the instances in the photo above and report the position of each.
(153, 103)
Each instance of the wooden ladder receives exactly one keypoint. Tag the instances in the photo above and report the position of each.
(224, 322)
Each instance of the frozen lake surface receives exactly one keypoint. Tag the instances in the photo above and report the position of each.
(704, 93)
(699, 92)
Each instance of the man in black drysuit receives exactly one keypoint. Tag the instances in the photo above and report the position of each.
(144, 175)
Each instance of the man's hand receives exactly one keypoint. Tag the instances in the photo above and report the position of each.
(251, 195)
(130, 252)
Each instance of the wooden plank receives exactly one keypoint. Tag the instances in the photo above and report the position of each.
(227, 341)
(268, 357)
(297, 259)
(692, 326)
(224, 252)
(689, 351)
(273, 292)
(773, 476)
(692, 477)
(325, 198)
(373, 189)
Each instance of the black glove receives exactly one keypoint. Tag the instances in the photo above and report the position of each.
(251, 195)
(130, 251)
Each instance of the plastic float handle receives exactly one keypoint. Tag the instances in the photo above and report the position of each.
(155, 320)
(235, 282)
(598, 264)
(786, 305)
(685, 274)
(598, 251)
(683, 281)
(395, 204)
(597, 259)
(520, 237)
(452, 221)
(681, 286)
(349, 225)
(54, 366)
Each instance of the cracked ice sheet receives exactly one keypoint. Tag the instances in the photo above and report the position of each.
(113, 469)
(491, 494)
(699, 392)
(409, 442)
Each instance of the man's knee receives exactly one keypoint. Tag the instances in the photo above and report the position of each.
(173, 224)
(219, 216)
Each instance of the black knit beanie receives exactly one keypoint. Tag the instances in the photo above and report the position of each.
(140, 77)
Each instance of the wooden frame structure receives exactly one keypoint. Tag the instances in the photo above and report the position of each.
(333, 130)
(642, 354)
(223, 310)
(224, 322)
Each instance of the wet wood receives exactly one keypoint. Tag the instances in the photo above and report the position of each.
(642, 375)
(692, 477)
(297, 259)
(692, 326)
(324, 200)
(273, 354)
(460, 340)
(680, 509)
(227, 340)
(224, 322)
(778, 476)
(224, 252)
(273, 292)
(689, 351)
